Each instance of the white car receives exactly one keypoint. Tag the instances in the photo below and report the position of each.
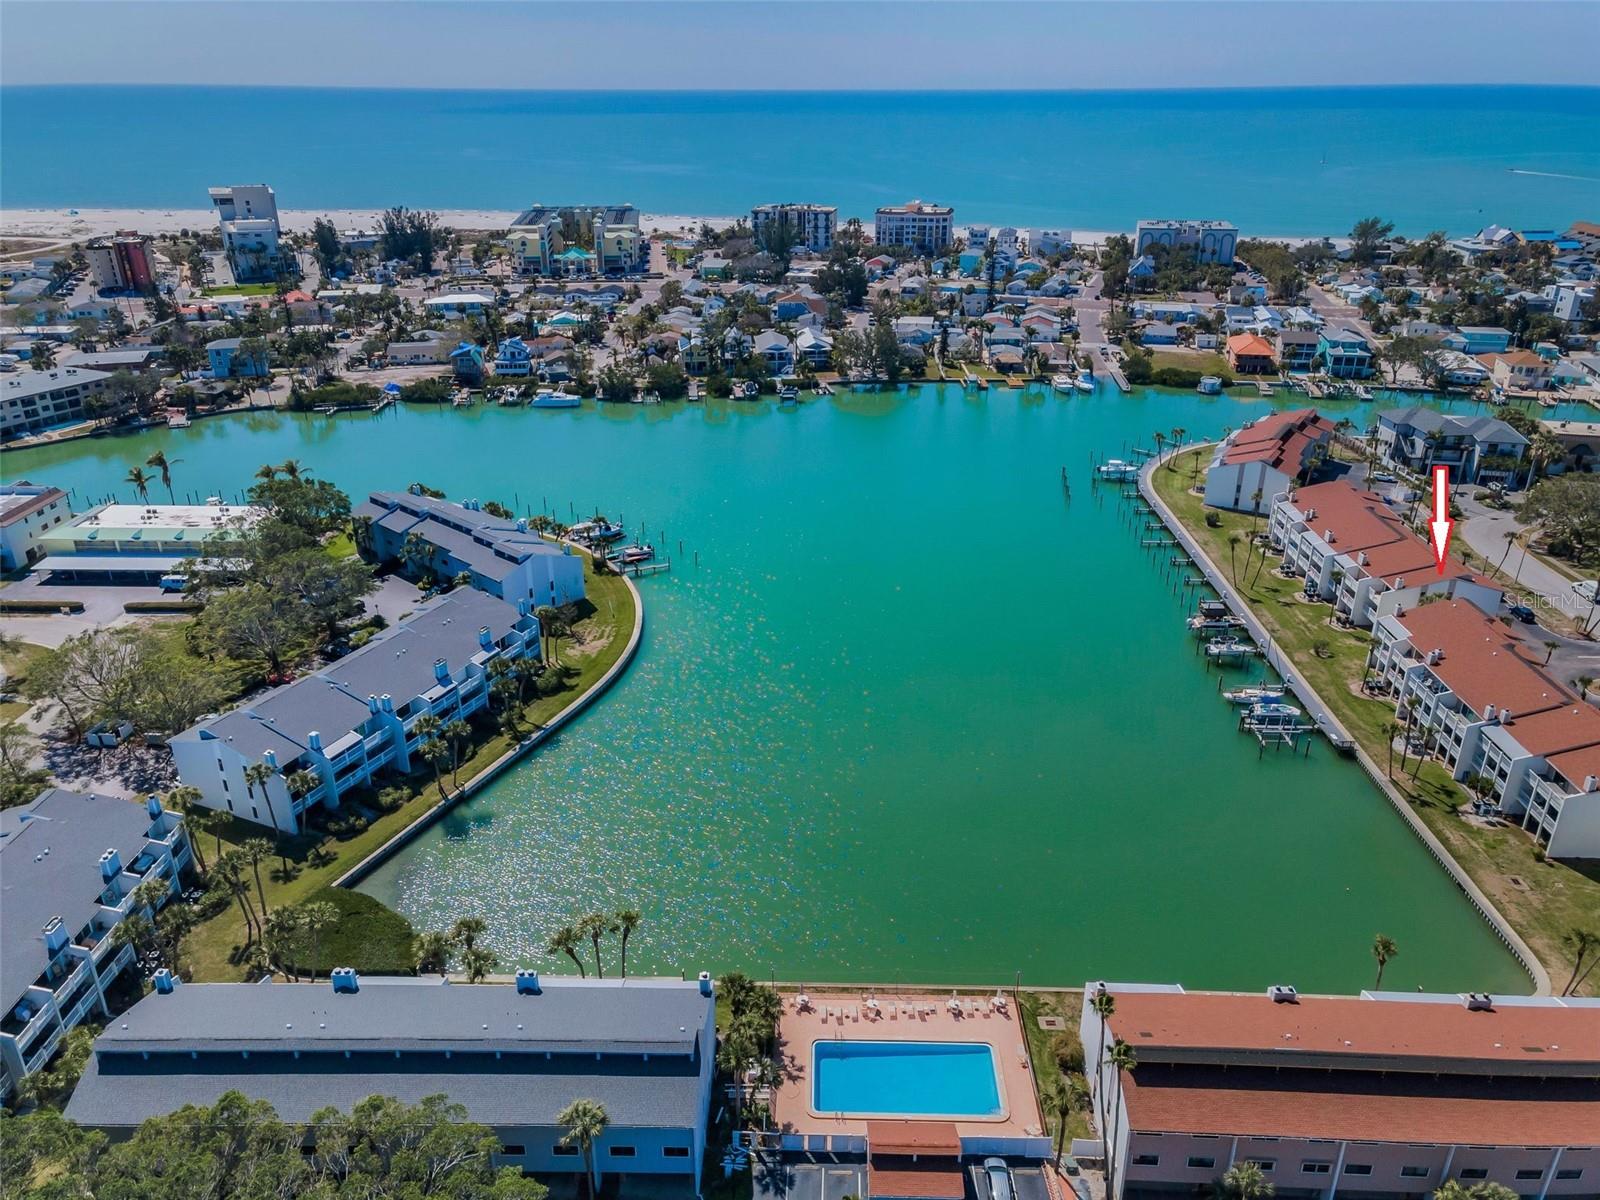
(1586, 589)
(999, 1178)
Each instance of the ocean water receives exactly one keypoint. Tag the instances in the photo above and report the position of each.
(903, 711)
(1275, 161)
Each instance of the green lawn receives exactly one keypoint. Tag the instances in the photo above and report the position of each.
(214, 950)
(341, 545)
(1042, 1051)
(16, 663)
(241, 289)
(1206, 362)
(1541, 900)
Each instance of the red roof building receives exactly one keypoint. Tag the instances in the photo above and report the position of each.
(1251, 354)
(1256, 464)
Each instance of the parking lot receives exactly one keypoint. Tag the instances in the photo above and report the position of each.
(822, 1178)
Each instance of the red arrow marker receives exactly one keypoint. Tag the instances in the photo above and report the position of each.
(1441, 523)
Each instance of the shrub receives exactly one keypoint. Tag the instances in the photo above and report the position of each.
(41, 606)
(1067, 1047)
(177, 604)
(392, 798)
(368, 935)
(427, 391)
(1213, 520)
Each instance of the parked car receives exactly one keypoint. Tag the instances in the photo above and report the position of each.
(1586, 589)
(999, 1178)
(1522, 613)
(1382, 477)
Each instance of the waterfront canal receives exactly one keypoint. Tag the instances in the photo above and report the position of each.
(915, 715)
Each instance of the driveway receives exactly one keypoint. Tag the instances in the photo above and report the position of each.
(394, 598)
(1541, 586)
(101, 606)
(790, 1179)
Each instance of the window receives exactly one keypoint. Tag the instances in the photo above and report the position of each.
(1570, 1173)
(674, 1152)
(1147, 1160)
(1265, 1164)
(561, 1151)
(1414, 1172)
(1315, 1166)
(1531, 1173)
(508, 1148)
(621, 1151)
(1474, 1172)
(1358, 1168)
(1200, 1162)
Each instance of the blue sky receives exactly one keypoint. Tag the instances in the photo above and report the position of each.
(897, 44)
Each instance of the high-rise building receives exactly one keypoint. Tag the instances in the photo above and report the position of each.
(813, 224)
(123, 263)
(542, 234)
(247, 215)
(927, 228)
(1207, 241)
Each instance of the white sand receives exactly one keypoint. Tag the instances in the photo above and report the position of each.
(79, 224)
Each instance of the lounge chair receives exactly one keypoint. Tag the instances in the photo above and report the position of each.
(854, 1015)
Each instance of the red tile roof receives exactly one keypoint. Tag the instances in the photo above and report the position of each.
(1249, 345)
(913, 1137)
(1577, 765)
(1483, 663)
(1572, 726)
(1284, 440)
(1362, 522)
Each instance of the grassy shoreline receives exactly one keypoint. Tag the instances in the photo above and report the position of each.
(215, 950)
(1540, 899)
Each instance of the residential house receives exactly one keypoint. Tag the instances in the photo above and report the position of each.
(135, 544)
(466, 363)
(1481, 699)
(1356, 552)
(229, 361)
(1478, 339)
(1050, 241)
(1158, 333)
(305, 309)
(1384, 1095)
(1255, 465)
(71, 862)
(422, 347)
(1344, 354)
(1460, 370)
(713, 266)
(453, 306)
(355, 718)
(1297, 348)
(1580, 445)
(513, 358)
(776, 350)
(916, 331)
(1142, 271)
(1477, 449)
(504, 558)
(513, 1055)
(136, 360)
(1251, 354)
(1520, 371)
(816, 347)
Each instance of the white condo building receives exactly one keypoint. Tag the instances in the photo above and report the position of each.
(814, 224)
(926, 228)
(1208, 241)
(247, 215)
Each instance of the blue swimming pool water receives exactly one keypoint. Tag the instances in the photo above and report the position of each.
(946, 1079)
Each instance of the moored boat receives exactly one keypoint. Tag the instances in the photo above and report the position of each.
(1210, 385)
(1115, 468)
(1084, 383)
(1255, 693)
(1062, 382)
(628, 555)
(546, 398)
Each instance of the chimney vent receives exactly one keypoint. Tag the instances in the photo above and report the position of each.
(55, 935)
(110, 864)
(441, 670)
(528, 982)
(152, 805)
(270, 757)
(1283, 993)
(314, 741)
(165, 981)
(1478, 1002)
(345, 980)
(485, 638)
(1591, 783)
(705, 983)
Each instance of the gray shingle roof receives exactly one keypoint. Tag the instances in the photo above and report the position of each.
(50, 867)
(512, 1059)
(1428, 420)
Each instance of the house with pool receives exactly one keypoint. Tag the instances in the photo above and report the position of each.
(913, 1089)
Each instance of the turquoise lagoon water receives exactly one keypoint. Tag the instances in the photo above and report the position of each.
(916, 715)
(1276, 161)
(939, 1079)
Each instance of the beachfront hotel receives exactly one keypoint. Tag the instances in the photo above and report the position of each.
(1355, 551)
(70, 863)
(1476, 694)
(813, 224)
(506, 559)
(247, 217)
(357, 716)
(1389, 1094)
(538, 240)
(1254, 465)
(1206, 241)
(514, 1055)
(926, 228)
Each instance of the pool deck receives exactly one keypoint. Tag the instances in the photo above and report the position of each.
(905, 1018)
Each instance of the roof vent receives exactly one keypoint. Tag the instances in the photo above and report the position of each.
(1591, 783)
(110, 864)
(1283, 993)
(705, 983)
(527, 982)
(165, 981)
(345, 979)
(1478, 1002)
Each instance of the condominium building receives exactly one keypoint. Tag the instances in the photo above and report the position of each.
(26, 511)
(247, 216)
(70, 863)
(124, 263)
(1205, 241)
(1385, 1095)
(505, 558)
(1477, 449)
(136, 544)
(1254, 465)
(1480, 698)
(355, 717)
(926, 228)
(540, 235)
(1352, 549)
(813, 225)
(513, 1055)
(34, 401)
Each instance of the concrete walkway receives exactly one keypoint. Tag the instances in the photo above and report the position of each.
(1329, 724)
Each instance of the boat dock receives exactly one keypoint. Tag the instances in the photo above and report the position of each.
(1118, 378)
(636, 570)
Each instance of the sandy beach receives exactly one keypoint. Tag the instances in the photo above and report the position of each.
(76, 224)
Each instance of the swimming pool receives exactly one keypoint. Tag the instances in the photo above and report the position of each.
(931, 1079)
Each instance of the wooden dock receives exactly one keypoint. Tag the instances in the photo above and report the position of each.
(1120, 379)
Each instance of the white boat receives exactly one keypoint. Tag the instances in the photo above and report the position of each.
(1272, 712)
(788, 394)
(1084, 383)
(1230, 647)
(1255, 693)
(510, 396)
(748, 390)
(1210, 385)
(628, 555)
(177, 419)
(1063, 382)
(545, 398)
(1115, 468)
(597, 531)
(1222, 624)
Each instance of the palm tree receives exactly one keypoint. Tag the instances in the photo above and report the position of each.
(1455, 1190)
(626, 921)
(141, 481)
(467, 930)
(566, 941)
(163, 466)
(1582, 942)
(1233, 551)
(1105, 1006)
(280, 937)
(594, 927)
(185, 801)
(454, 733)
(1549, 649)
(1160, 440)
(478, 962)
(1058, 1103)
(584, 1122)
(434, 752)
(260, 774)
(317, 917)
(266, 472)
(1510, 536)
(229, 868)
(254, 850)
(1583, 683)
(1245, 1181)
(1383, 949)
(432, 950)
(1122, 1057)
(547, 617)
(290, 468)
